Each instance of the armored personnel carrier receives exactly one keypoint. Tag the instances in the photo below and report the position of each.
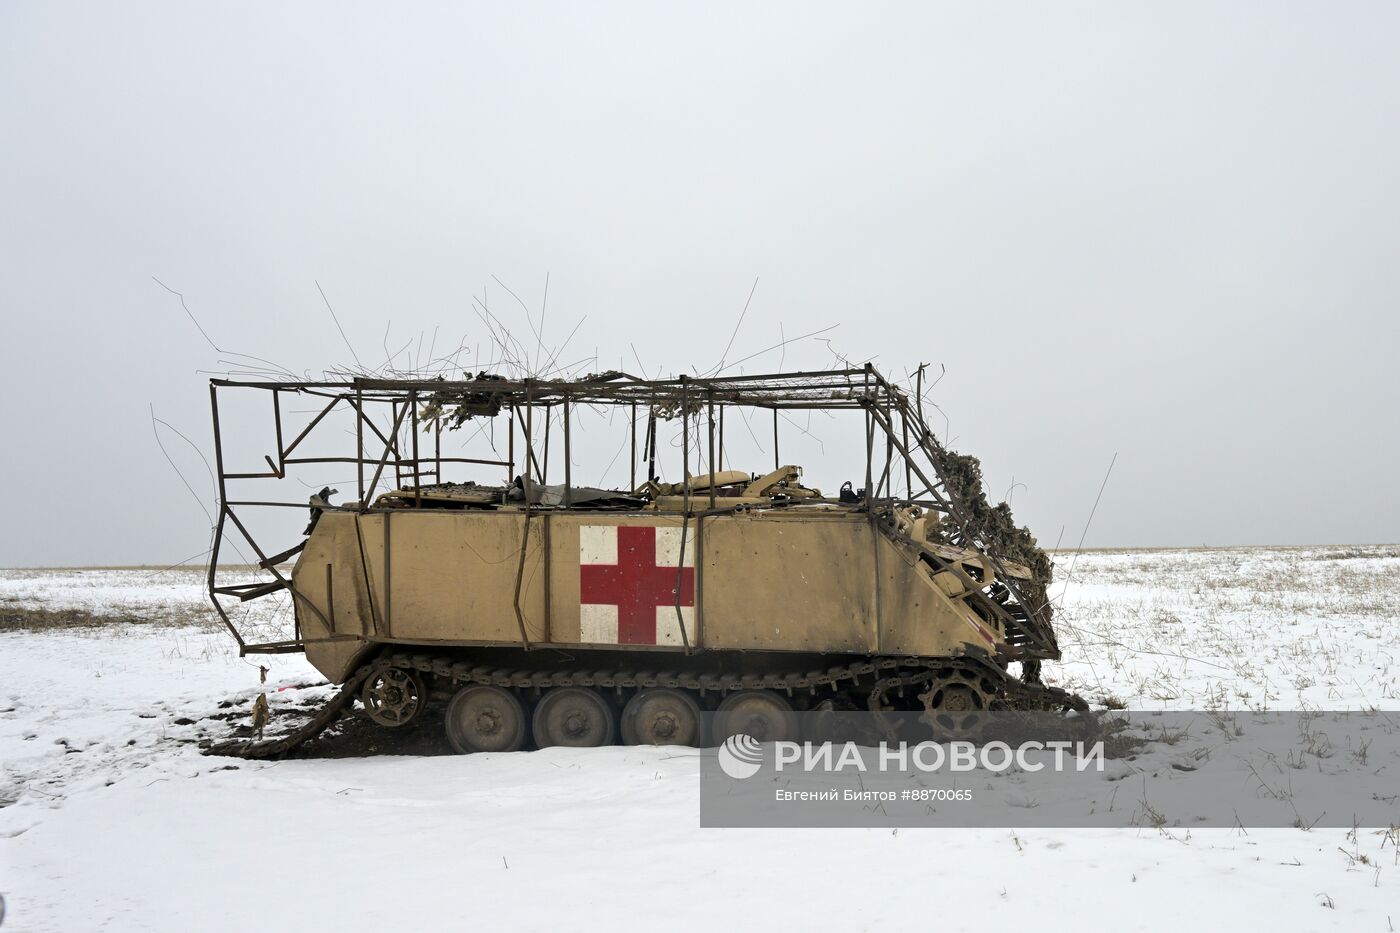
(530, 613)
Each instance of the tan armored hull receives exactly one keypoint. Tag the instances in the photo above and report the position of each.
(807, 580)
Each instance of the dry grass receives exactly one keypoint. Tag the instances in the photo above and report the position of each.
(103, 601)
(23, 618)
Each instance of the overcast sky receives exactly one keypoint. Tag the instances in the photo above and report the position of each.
(1166, 231)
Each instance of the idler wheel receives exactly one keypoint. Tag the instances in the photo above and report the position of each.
(393, 696)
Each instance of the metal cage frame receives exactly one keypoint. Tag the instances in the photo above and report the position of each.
(894, 420)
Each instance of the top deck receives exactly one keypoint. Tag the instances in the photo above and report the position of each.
(821, 389)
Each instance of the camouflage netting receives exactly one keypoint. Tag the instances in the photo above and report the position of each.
(456, 408)
(993, 525)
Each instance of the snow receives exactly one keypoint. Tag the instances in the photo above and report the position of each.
(1238, 628)
(114, 821)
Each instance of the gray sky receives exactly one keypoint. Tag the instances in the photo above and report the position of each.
(1163, 230)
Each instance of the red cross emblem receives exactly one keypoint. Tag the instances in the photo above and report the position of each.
(627, 586)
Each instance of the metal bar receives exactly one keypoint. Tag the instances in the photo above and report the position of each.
(398, 461)
(219, 525)
(548, 422)
(352, 460)
(417, 476)
(246, 594)
(374, 484)
(297, 644)
(233, 589)
(277, 419)
(568, 459)
(710, 407)
(293, 460)
(247, 591)
(919, 391)
(814, 397)
(360, 443)
(680, 581)
(685, 518)
(531, 461)
(280, 558)
(480, 461)
(525, 535)
(685, 450)
(700, 580)
(869, 456)
(529, 450)
(388, 576)
(359, 407)
(874, 643)
(369, 589)
(632, 473)
(908, 472)
(520, 578)
(651, 446)
(283, 453)
(776, 464)
(545, 386)
(886, 477)
(777, 404)
(330, 595)
(548, 576)
(721, 437)
(506, 386)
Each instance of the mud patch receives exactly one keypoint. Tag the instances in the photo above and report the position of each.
(357, 736)
(353, 736)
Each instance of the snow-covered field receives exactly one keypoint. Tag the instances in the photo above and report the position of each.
(111, 819)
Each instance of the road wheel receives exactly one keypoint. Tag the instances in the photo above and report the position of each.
(481, 718)
(662, 716)
(763, 714)
(574, 717)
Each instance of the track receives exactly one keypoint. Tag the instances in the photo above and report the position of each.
(887, 676)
